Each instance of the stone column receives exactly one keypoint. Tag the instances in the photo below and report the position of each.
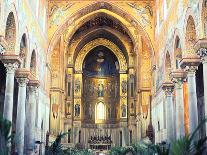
(190, 63)
(30, 122)
(178, 77)
(168, 88)
(203, 54)
(22, 79)
(9, 90)
(192, 98)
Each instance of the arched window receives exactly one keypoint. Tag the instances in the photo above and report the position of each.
(100, 111)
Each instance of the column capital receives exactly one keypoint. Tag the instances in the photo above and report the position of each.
(202, 52)
(11, 62)
(33, 84)
(168, 87)
(11, 67)
(200, 48)
(22, 81)
(178, 76)
(191, 70)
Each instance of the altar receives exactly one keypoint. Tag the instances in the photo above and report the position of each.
(100, 142)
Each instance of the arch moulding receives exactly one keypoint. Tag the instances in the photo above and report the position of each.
(100, 42)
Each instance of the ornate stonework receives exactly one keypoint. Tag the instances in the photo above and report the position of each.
(178, 76)
(168, 87)
(202, 52)
(22, 81)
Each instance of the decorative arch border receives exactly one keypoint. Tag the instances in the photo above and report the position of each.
(12, 8)
(189, 13)
(97, 6)
(97, 42)
(108, 30)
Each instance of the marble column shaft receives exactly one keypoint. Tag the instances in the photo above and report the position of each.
(170, 114)
(30, 122)
(9, 90)
(192, 98)
(180, 128)
(21, 115)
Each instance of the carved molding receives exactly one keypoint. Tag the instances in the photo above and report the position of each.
(202, 52)
(11, 67)
(178, 82)
(190, 60)
(191, 69)
(168, 87)
(34, 83)
(22, 81)
(97, 42)
(178, 76)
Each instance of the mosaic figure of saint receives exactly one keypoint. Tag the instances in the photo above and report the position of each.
(77, 86)
(124, 86)
(100, 90)
(123, 111)
(77, 110)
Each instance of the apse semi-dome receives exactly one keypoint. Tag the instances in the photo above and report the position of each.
(100, 61)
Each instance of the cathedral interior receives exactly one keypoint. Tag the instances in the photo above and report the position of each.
(113, 71)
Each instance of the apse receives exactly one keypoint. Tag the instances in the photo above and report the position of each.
(100, 62)
(100, 86)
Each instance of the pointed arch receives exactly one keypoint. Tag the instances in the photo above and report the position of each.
(10, 32)
(84, 14)
(190, 35)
